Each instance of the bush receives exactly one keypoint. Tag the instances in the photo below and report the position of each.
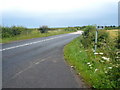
(8, 32)
(88, 30)
(43, 29)
(102, 38)
(71, 29)
(88, 36)
(18, 30)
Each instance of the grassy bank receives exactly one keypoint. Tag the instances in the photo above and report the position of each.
(97, 71)
(32, 34)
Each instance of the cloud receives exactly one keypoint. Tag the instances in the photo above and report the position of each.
(59, 12)
(46, 6)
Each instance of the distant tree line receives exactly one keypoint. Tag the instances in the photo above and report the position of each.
(104, 27)
(112, 27)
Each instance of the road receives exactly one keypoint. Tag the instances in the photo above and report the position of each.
(38, 63)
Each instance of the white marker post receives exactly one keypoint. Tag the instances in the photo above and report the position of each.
(96, 35)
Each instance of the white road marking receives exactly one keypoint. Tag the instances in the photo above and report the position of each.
(40, 61)
(21, 72)
(37, 63)
(33, 64)
(27, 44)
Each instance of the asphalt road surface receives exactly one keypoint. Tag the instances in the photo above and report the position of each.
(38, 63)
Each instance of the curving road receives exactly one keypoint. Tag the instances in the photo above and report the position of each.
(38, 63)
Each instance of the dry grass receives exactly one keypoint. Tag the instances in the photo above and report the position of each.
(113, 33)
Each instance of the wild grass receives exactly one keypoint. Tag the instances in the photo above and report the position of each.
(97, 71)
(86, 64)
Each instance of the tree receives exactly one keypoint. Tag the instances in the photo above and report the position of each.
(43, 29)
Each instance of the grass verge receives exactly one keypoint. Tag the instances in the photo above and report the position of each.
(33, 34)
(87, 65)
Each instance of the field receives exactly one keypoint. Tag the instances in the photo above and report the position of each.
(113, 33)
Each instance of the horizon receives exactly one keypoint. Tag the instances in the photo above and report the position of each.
(62, 26)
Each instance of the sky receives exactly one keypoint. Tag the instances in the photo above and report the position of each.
(59, 13)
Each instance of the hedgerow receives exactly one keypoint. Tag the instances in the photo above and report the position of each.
(110, 50)
(8, 32)
(101, 69)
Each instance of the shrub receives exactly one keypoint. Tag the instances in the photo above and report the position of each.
(43, 29)
(72, 29)
(8, 32)
(102, 38)
(88, 36)
(17, 30)
(88, 30)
